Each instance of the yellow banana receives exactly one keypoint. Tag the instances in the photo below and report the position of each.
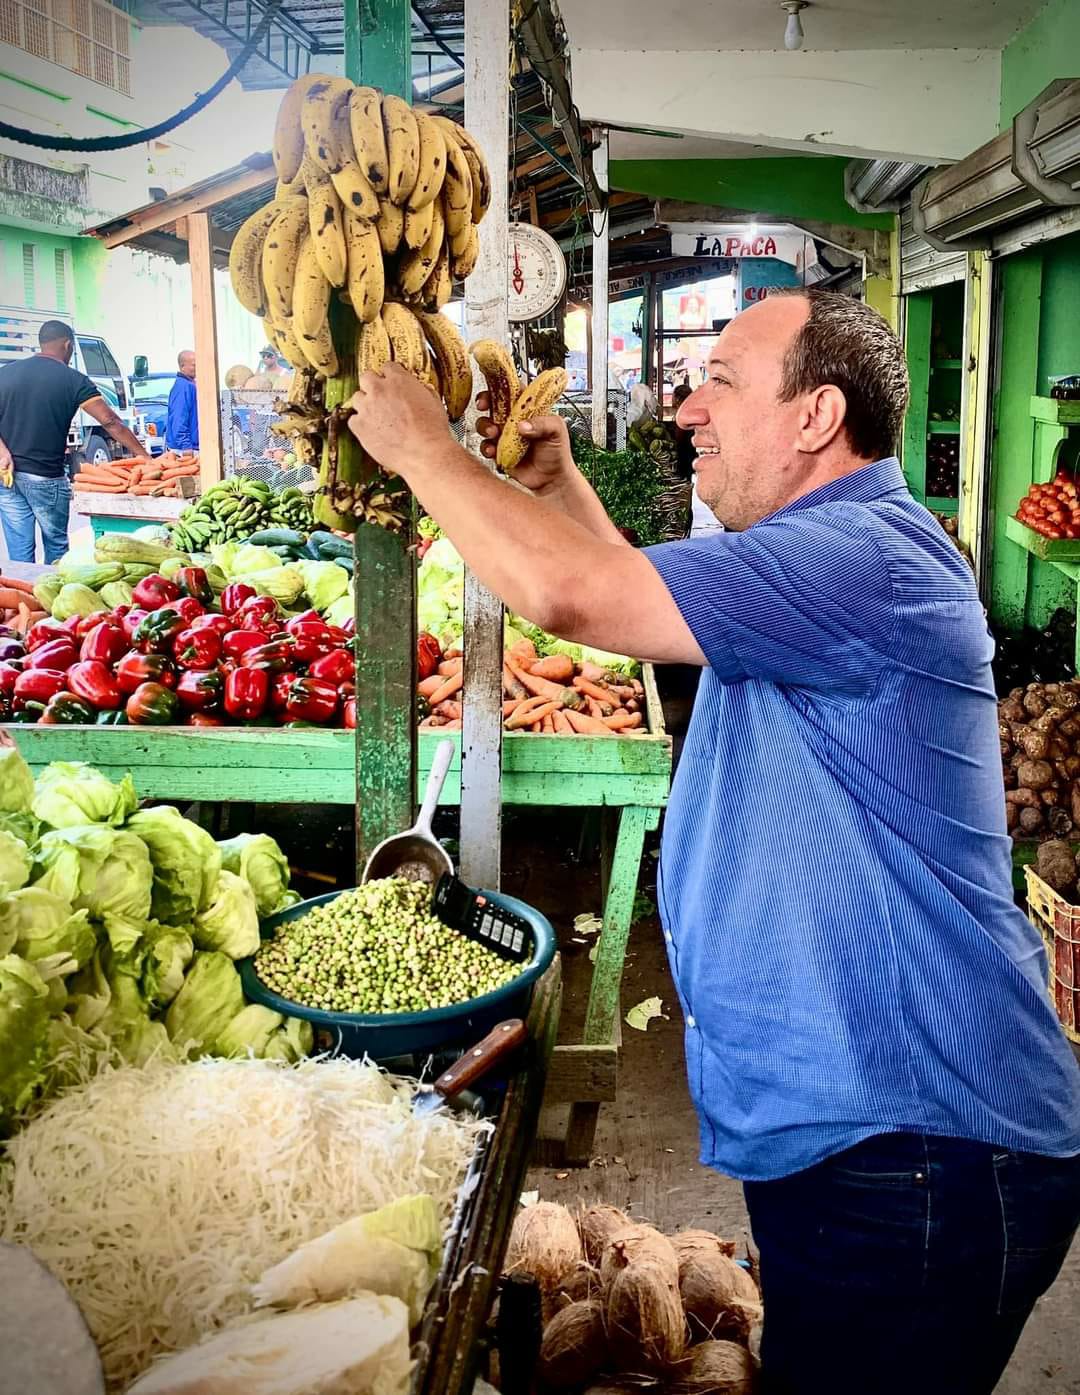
(366, 279)
(368, 136)
(451, 360)
(288, 148)
(320, 117)
(311, 291)
(478, 165)
(439, 286)
(430, 375)
(279, 255)
(355, 193)
(245, 257)
(326, 221)
(406, 337)
(402, 147)
(458, 241)
(463, 263)
(432, 163)
(500, 376)
(536, 400)
(283, 190)
(284, 340)
(417, 226)
(372, 347)
(457, 189)
(415, 267)
(318, 349)
(390, 225)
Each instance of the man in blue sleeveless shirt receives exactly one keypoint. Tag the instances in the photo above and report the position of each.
(869, 1040)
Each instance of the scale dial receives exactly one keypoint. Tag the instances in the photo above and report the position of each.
(537, 272)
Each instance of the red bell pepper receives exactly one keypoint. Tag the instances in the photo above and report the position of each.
(278, 656)
(234, 596)
(204, 719)
(350, 713)
(154, 591)
(257, 610)
(339, 635)
(8, 675)
(58, 653)
(246, 693)
(193, 582)
(311, 700)
(235, 645)
(428, 655)
(337, 667)
(151, 704)
(44, 631)
(106, 642)
(132, 620)
(199, 649)
(94, 683)
(39, 685)
(85, 623)
(118, 612)
(311, 641)
(66, 710)
(189, 608)
(306, 617)
(200, 691)
(279, 691)
(157, 633)
(134, 669)
(212, 621)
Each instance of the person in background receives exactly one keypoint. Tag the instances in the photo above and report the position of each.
(270, 364)
(182, 421)
(685, 454)
(39, 396)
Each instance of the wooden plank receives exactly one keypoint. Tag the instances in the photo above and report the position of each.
(581, 1074)
(599, 313)
(487, 116)
(1047, 549)
(138, 506)
(170, 211)
(207, 377)
(1050, 409)
(918, 316)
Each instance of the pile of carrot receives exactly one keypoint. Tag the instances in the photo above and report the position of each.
(19, 607)
(552, 695)
(138, 474)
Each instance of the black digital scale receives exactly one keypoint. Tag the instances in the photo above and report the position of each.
(479, 918)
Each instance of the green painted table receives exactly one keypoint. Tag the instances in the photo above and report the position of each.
(629, 775)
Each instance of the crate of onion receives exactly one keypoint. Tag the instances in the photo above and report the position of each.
(1039, 729)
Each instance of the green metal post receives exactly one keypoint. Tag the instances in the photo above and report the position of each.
(647, 326)
(378, 52)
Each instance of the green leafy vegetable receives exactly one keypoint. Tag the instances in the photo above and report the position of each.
(15, 862)
(231, 921)
(210, 998)
(73, 937)
(107, 871)
(24, 1033)
(324, 582)
(186, 863)
(639, 491)
(72, 792)
(250, 1032)
(292, 1041)
(169, 951)
(257, 858)
(16, 782)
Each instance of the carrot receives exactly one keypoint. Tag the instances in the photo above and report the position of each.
(511, 706)
(540, 686)
(511, 687)
(586, 726)
(11, 599)
(453, 684)
(593, 690)
(618, 720)
(427, 686)
(596, 709)
(638, 687)
(523, 652)
(547, 724)
(90, 487)
(430, 723)
(16, 583)
(449, 709)
(455, 653)
(623, 692)
(530, 717)
(593, 672)
(561, 723)
(450, 666)
(559, 668)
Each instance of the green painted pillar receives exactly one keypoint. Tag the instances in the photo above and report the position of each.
(378, 52)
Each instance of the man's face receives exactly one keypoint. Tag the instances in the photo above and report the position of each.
(69, 350)
(186, 366)
(744, 436)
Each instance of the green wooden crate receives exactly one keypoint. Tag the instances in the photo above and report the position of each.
(1056, 412)
(1046, 549)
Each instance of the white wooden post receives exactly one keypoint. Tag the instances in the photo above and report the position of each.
(487, 116)
(599, 375)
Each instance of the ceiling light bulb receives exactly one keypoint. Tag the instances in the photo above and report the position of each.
(793, 30)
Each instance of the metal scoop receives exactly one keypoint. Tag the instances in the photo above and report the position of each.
(416, 854)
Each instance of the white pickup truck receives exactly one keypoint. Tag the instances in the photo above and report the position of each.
(87, 441)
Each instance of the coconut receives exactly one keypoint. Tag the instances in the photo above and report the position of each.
(574, 1347)
(712, 1284)
(544, 1243)
(646, 1326)
(715, 1368)
(237, 375)
(597, 1224)
(638, 1244)
(583, 1281)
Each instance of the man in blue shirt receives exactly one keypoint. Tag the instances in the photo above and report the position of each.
(869, 1040)
(182, 420)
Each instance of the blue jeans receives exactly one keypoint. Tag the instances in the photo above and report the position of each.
(35, 498)
(907, 1263)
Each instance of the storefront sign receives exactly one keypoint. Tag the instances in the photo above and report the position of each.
(742, 241)
(685, 276)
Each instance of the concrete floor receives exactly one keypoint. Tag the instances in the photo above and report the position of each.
(645, 1156)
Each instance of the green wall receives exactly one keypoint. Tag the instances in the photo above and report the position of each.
(1048, 48)
(788, 186)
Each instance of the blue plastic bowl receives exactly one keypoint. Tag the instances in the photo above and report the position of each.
(385, 1035)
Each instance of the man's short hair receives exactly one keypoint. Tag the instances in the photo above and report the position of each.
(681, 393)
(183, 355)
(52, 331)
(847, 344)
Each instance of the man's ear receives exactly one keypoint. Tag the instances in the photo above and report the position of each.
(821, 418)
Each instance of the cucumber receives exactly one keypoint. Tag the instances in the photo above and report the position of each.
(345, 563)
(287, 554)
(277, 537)
(330, 546)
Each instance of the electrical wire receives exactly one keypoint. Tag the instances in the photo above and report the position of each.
(90, 145)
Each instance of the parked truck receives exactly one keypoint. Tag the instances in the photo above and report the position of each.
(87, 441)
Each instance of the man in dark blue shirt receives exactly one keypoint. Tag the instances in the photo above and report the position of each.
(182, 419)
(870, 1044)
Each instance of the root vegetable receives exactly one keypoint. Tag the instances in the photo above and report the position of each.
(1060, 822)
(1055, 863)
(1012, 711)
(715, 1368)
(597, 1224)
(1034, 702)
(1074, 801)
(558, 668)
(574, 1346)
(1031, 820)
(646, 1326)
(1022, 798)
(1034, 744)
(1012, 817)
(1035, 774)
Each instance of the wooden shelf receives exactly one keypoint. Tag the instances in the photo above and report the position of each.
(955, 364)
(1057, 413)
(944, 503)
(1056, 550)
(943, 428)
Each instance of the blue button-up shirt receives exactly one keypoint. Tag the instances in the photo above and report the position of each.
(835, 885)
(182, 419)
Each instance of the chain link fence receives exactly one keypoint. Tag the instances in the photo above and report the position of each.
(250, 448)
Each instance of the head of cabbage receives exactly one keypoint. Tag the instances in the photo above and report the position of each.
(16, 782)
(211, 996)
(231, 922)
(106, 871)
(70, 792)
(15, 862)
(257, 858)
(186, 863)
